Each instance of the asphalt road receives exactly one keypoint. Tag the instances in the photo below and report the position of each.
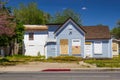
(60, 76)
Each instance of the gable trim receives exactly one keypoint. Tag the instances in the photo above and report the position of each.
(70, 19)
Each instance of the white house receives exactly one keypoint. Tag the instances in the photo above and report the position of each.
(35, 39)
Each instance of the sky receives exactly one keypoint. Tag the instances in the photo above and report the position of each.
(93, 12)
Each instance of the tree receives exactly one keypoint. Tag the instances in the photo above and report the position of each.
(61, 17)
(116, 31)
(10, 29)
(100, 25)
(7, 26)
(30, 14)
(19, 32)
(18, 37)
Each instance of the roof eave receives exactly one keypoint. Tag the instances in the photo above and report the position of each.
(97, 38)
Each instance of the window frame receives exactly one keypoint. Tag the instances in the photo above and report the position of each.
(31, 35)
(96, 46)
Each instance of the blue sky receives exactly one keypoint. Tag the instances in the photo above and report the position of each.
(93, 12)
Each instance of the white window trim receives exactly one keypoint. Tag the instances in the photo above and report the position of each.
(76, 39)
(97, 47)
(91, 55)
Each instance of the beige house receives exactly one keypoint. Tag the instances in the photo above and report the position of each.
(115, 47)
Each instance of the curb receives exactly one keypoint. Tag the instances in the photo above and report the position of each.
(82, 69)
(45, 70)
(98, 69)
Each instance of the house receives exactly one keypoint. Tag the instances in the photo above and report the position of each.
(35, 39)
(115, 47)
(68, 38)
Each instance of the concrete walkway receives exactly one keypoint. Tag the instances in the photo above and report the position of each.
(41, 66)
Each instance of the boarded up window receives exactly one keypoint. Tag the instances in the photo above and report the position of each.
(88, 49)
(114, 46)
(64, 46)
(98, 47)
(88, 43)
(76, 46)
(31, 36)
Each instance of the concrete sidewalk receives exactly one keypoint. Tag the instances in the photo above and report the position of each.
(41, 66)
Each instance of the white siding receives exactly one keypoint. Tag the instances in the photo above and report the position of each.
(33, 47)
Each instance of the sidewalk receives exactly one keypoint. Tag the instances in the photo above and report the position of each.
(41, 66)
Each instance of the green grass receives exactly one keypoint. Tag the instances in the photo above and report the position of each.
(113, 63)
(19, 59)
(64, 59)
(25, 58)
(6, 62)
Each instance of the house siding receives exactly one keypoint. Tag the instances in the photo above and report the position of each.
(51, 49)
(65, 34)
(51, 46)
(33, 47)
(51, 30)
(106, 49)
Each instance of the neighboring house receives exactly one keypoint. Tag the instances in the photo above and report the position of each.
(69, 38)
(115, 47)
(35, 39)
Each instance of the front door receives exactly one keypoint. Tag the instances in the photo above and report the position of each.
(64, 46)
(88, 49)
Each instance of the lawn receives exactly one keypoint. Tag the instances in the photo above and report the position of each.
(20, 59)
(113, 63)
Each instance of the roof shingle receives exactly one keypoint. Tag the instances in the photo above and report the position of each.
(97, 32)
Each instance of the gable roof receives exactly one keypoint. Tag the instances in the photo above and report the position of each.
(97, 32)
(36, 27)
(73, 22)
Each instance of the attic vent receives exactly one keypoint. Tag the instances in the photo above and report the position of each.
(70, 27)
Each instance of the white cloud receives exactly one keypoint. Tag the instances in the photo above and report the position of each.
(83, 8)
(64, 8)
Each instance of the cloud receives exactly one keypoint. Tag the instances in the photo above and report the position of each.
(64, 8)
(83, 8)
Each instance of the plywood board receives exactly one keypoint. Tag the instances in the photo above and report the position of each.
(114, 47)
(64, 46)
(76, 50)
(88, 43)
(64, 42)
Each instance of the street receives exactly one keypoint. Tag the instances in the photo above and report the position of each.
(60, 75)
